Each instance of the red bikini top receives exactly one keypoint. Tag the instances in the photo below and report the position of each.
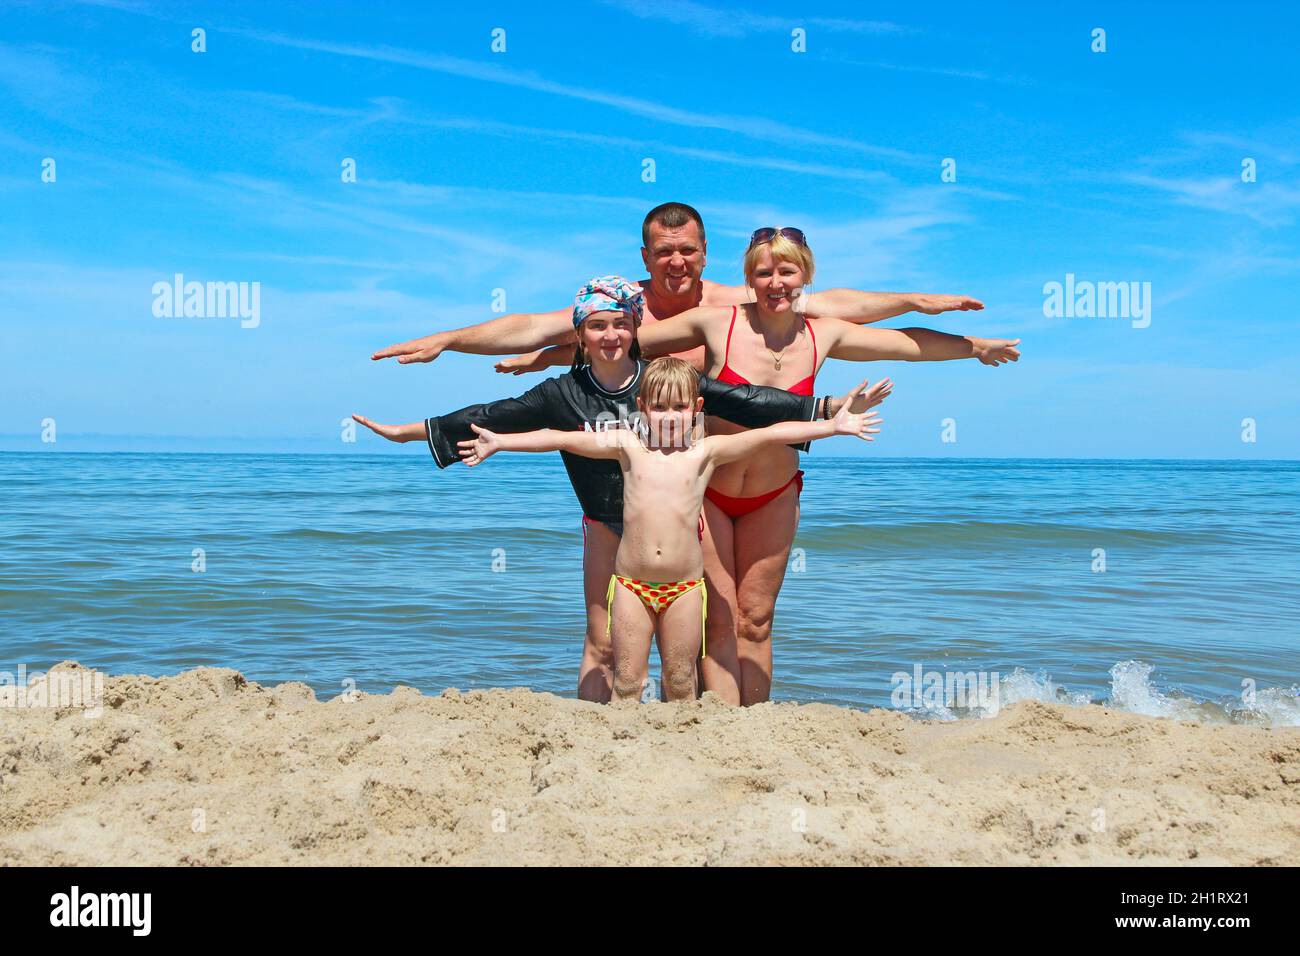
(729, 375)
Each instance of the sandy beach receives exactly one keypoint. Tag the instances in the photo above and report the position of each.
(206, 768)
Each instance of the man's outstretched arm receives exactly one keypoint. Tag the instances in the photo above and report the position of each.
(863, 308)
(517, 332)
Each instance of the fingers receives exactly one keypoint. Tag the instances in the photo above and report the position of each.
(420, 355)
(389, 352)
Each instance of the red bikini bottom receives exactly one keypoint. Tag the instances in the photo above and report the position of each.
(735, 507)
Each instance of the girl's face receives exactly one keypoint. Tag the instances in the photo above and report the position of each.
(607, 336)
(776, 282)
(670, 419)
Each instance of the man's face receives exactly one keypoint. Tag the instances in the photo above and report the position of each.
(674, 259)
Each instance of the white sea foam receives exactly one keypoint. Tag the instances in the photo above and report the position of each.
(1132, 690)
(1020, 684)
(1272, 707)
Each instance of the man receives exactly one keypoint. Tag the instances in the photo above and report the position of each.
(674, 251)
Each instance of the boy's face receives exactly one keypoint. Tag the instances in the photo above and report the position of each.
(670, 419)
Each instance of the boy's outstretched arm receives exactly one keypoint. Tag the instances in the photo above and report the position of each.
(727, 448)
(604, 444)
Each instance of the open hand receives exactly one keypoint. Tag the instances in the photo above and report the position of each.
(996, 351)
(416, 350)
(859, 424)
(934, 304)
(859, 401)
(476, 450)
(520, 364)
(397, 433)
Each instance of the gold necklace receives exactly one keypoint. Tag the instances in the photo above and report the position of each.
(777, 356)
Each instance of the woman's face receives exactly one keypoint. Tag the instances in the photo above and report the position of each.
(607, 336)
(776, 282)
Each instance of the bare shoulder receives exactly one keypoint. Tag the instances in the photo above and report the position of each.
(829, 331)
(709, 445)
(723, 296)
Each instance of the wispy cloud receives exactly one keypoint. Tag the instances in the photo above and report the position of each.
(393, 110)
(949, 71)
(1268, 203)
(736, 22)
(751, 126)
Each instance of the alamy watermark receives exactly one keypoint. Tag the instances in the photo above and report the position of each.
(973, 691)
(1098, 300)
(62, 687)
(208, 300)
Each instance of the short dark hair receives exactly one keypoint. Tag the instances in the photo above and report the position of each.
(670, 215)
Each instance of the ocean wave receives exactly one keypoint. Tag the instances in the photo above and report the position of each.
(1131, 690)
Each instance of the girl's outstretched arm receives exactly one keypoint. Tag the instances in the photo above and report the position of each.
(398, 433)
(602, 444)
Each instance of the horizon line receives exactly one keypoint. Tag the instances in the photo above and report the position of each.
(338, 454)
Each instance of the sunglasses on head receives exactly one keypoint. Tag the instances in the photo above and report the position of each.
(768, 233)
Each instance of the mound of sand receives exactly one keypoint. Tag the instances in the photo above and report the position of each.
(208, 768)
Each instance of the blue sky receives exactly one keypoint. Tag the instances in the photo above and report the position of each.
(522, 171)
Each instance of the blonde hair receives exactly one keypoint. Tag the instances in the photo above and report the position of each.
(783, 250)
(670, 378)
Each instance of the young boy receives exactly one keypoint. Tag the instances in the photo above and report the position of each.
(658, 583)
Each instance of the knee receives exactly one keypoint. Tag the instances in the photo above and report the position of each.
(754, 624)
(627, 686)
(679, 680)
(599, 649)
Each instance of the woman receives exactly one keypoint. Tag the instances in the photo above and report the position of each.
(598, 392)
(752, 507)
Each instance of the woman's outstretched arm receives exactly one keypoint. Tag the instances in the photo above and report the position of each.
(682, 332)
(857, 343)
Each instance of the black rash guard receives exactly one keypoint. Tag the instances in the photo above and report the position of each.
(577, 402)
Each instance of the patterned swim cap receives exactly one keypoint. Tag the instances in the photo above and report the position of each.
(608, 294)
